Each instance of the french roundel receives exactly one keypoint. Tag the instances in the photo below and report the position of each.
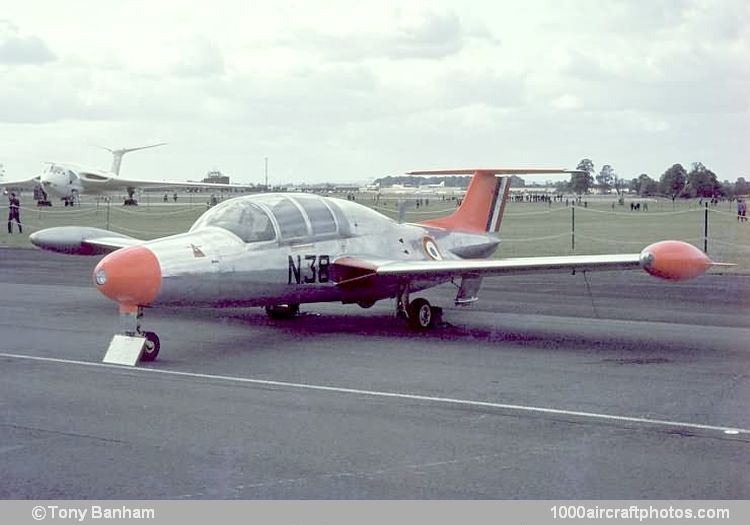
(431, 249)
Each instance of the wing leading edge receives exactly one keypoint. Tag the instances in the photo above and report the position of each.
(102, 182)
(673, 260)
(446, 269)
(22, 184)
(351, 271)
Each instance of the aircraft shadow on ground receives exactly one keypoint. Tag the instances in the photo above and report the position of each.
(376, 325)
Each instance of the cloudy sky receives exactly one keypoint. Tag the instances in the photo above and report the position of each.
(350, 91)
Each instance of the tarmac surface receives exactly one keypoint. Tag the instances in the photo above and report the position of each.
(548, 388)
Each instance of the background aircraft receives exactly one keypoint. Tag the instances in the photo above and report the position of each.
(68, 181)
(423, 189)
(282, 250)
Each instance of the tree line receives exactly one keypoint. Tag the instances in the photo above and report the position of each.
(675, 182)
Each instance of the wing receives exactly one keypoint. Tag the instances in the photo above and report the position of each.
(351, 271)
(22, 184)
(674, 260)
(444, 270)
(93, 181)
(79, 240)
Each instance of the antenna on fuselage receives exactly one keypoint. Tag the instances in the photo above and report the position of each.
(118, 153)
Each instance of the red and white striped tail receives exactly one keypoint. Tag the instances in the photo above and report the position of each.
(483, 205)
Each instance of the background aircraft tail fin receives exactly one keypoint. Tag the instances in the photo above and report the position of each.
(483, 205)
(117, 155)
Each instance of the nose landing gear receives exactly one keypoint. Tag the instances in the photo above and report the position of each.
(132, 344)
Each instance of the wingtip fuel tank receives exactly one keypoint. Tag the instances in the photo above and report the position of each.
(675, 260)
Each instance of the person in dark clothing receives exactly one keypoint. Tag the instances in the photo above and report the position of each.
(14, 213)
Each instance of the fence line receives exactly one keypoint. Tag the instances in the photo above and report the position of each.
(159, 213)
(46, 211)
(148, 232)
(640, 213)
(534, 213)
(534, 239)
(396, 209)
(609, 241)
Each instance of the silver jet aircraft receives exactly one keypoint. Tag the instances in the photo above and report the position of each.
(69, 181)
(281, 250)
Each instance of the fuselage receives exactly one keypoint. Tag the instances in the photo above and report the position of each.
(281, 248)
(61, 182)
(69, 181)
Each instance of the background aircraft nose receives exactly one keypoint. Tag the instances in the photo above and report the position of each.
(129, 276)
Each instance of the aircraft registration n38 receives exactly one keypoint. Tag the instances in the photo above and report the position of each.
(279, 250)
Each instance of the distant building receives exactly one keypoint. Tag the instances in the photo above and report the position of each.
(216, 177)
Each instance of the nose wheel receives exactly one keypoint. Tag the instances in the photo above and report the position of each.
(150, 347)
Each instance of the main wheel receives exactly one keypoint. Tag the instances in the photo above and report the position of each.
(282, 311)
(420, 315)
(150, 347)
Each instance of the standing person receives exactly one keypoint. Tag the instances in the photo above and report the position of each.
(741, 210)
(14, 213)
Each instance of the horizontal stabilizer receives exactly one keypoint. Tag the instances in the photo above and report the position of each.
(495, 171)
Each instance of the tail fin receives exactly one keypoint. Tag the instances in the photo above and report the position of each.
(484, 203)
(117, 155)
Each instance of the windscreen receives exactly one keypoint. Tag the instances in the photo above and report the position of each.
(241, 217)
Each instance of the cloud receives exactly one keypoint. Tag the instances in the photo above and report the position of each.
(18, 49)
(328, 88)
(425, 36)
(566, 102)
(199, 57)
(585, 66)
(433, 36)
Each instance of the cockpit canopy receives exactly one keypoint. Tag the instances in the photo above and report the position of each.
(61, 173)
(265, 217)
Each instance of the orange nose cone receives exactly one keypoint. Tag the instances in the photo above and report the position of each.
(129, 276)
(674, 260)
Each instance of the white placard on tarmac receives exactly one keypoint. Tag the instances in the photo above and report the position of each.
(124, 350)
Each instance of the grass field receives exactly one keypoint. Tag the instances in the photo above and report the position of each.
(528, 229)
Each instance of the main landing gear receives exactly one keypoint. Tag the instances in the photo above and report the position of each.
(130, 200)
(282, 311)
(74, 199)
(419, 314)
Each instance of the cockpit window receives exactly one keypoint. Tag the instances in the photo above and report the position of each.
(320, 216)
(290, 219)
(246, 220)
